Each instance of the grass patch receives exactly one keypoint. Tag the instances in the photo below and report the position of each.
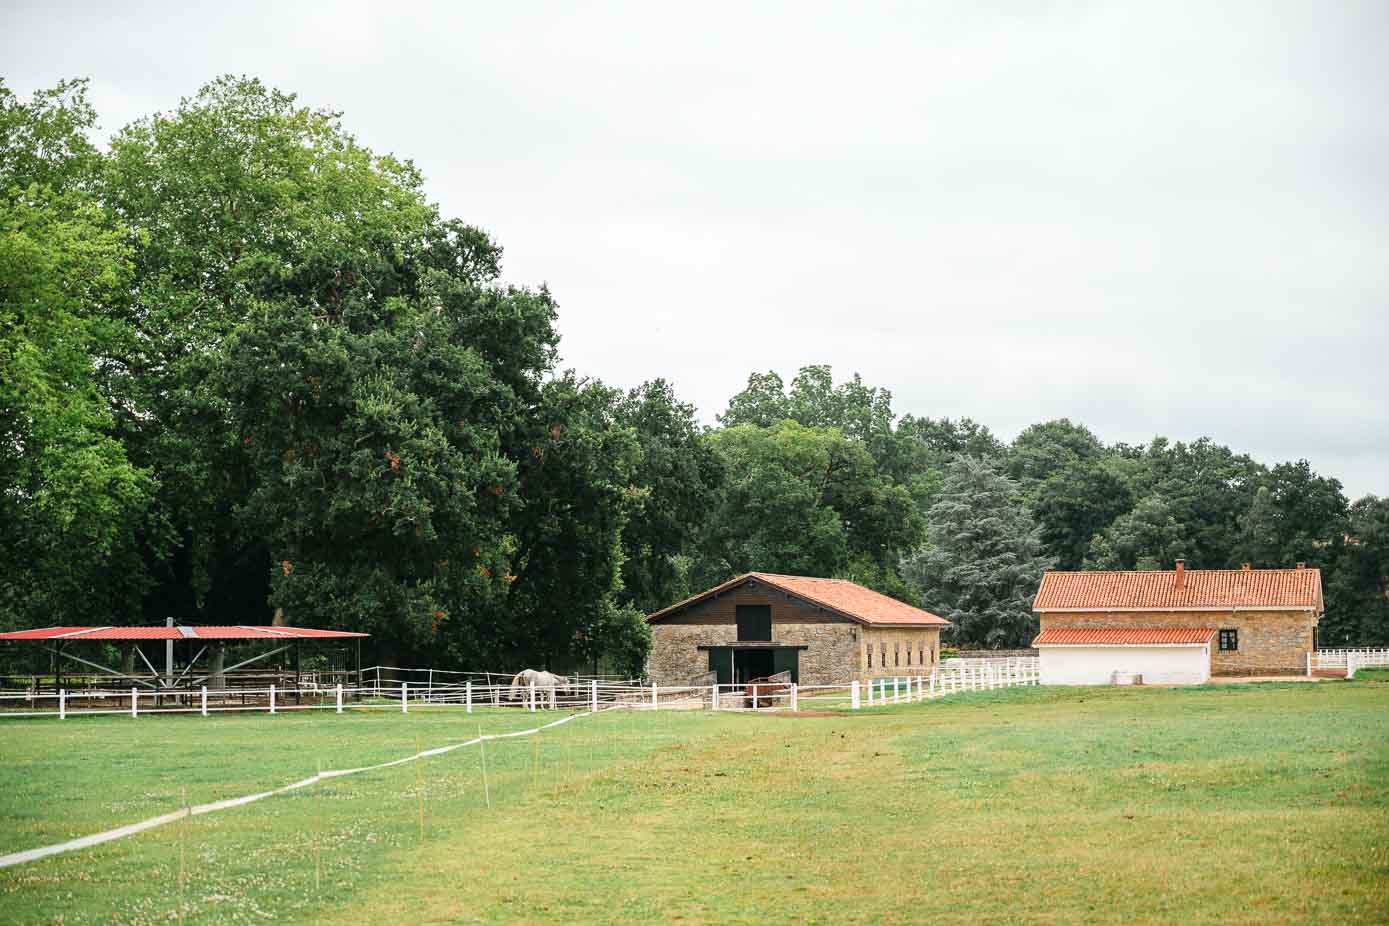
(1239, 803)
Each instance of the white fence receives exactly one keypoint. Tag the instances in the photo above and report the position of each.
(950, 678)
(1350, 660)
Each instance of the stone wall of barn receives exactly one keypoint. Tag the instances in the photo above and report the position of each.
(894, 651)
(1270, 642)
(837, 648)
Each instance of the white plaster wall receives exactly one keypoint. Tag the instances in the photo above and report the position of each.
(1096, 665)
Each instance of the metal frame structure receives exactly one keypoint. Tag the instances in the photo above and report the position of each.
(56, 642)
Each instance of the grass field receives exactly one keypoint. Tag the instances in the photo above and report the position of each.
(1242, 804)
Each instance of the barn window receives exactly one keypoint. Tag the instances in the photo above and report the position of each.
(1229, 641)
(754, 622)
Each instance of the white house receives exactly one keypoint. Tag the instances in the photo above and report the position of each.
(1099, 656)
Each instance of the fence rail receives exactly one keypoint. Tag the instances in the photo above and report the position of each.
(1346, 660)
(594, 695)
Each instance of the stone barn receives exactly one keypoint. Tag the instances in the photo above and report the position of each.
(1177, 625)
(822, 631)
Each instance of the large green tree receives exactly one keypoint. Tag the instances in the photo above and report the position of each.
(75, 510)
(673, 486)
(983, 559)
(800, 500)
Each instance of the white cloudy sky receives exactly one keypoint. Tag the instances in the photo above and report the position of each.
(1156, 218)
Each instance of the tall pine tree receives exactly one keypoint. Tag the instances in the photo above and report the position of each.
(983, 559)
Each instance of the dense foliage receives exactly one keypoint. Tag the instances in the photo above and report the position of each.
(247, 370)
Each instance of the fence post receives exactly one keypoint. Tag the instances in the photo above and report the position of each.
(714, 697)
(754, 697)
(405, 697)
(854, 695)
(272, 699)
(203, 700)
(468, 695)
(62, 704)
(134, 702)
(1309, 663)
(1350, 666)
(795, 700)
(593, 695)
(654, 704)
(531, 694)
(339, 697)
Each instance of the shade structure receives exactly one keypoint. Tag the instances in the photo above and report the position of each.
(180, 632)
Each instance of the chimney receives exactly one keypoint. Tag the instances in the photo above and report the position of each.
(1301, 565)
(1245, 566)
(1181, 572)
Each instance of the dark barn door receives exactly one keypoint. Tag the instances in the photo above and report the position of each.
(786, 659)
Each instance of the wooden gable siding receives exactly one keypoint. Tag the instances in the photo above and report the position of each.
(785, 608)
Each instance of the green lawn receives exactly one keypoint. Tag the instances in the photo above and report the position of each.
(1245, 804)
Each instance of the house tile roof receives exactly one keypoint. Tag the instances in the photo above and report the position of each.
(848, 599)
(1125, 636)
(1202, 590)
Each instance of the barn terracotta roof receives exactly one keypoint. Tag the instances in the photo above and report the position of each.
(1198, 590)
(1125, 636)
(848, 599)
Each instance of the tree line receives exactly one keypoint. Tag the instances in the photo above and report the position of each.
(249, 371)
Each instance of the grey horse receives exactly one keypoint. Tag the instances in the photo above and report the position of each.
(546, 685)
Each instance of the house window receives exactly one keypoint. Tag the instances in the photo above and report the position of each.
(882, 656)
(868, 648)
(1229, 641)
(921, 654)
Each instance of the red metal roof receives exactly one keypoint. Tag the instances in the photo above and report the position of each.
(1202, 589)
(848, 599)
(1125, 636)
(205, 632)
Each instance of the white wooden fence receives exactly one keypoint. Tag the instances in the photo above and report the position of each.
(1348, 659)
(952, 677)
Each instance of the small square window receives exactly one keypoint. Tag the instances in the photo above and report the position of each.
(1229, 641)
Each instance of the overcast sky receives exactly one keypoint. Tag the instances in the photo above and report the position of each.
(1156, 218)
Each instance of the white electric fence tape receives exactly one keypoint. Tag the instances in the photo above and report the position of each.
(84, 842)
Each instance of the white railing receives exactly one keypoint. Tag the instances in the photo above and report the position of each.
(592, 695)
(1347, 659)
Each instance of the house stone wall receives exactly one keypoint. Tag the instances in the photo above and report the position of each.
(1270, 642)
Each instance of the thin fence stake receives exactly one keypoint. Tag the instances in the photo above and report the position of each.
(419, 782)
(482, 756)
(203, 699)
(593, 705)
(272, 699)
(318, 830)
(339, 697)
(405, 697)
(468, 695)
(134, 702)
(62, 704)
(182, 861)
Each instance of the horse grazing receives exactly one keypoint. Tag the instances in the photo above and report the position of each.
(546, 684)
